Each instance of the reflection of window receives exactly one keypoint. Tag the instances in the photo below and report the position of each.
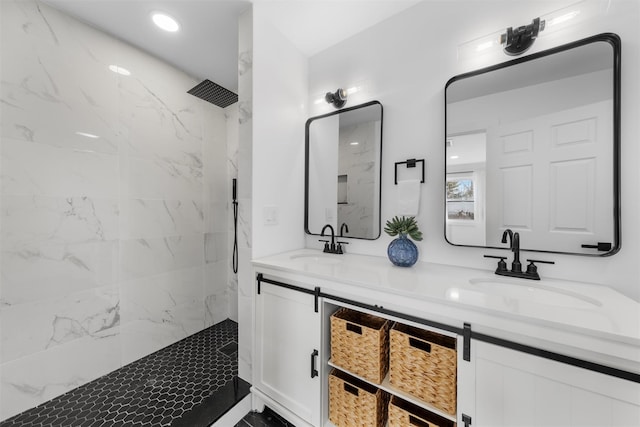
(460, 198)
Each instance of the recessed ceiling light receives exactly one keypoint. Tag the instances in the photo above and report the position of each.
(165, 22)
(119, 70)
(354, 143)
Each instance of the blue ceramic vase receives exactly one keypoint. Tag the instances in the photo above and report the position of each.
(402, 252)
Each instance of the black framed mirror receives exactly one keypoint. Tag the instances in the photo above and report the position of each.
(343, 153)
(533, 145)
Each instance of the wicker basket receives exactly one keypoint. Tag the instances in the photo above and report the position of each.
(360, 344)
(424, 364)
(405, 414)
(353, 402)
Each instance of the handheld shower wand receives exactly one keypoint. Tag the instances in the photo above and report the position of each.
(234, 202)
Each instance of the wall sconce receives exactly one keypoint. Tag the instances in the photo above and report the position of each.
(338, 99)
(516, 41)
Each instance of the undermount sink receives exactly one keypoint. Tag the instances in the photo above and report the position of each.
(318, 258)
(523, 290)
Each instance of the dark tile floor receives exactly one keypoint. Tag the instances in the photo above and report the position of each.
(188, 384)
(267, 418)
(158, 390)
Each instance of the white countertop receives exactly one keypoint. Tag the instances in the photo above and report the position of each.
(582, 316)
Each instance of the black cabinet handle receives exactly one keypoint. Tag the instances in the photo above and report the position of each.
(314, 371)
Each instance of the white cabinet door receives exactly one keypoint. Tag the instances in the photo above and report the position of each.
(516, 389)
(287, 347)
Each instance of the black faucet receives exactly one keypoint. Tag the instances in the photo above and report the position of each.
(334, 247)
(329, 249)
(516, 266)
(344, 227)
(514, 245)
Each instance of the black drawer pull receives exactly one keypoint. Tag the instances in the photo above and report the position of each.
(417, 422)
(314, 371)
(420, 345)
(354, 328)
(351, 389)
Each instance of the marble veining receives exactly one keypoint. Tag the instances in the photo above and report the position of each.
(113, 223)
(67, 268)
(71, 219)
(67, 328)
(174, 116)
(36, 326)
(246, 111)
(147, 218)
(245, 62)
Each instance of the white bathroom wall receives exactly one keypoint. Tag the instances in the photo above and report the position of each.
(111, 247)
(272, 90)
(405, 61)
(280, 112)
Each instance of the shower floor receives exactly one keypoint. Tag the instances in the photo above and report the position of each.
(188, 384)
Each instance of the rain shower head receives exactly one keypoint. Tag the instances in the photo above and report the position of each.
(213, 93)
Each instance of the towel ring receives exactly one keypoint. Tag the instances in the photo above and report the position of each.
(411, 163)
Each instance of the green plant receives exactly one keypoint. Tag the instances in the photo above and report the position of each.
(404, 225)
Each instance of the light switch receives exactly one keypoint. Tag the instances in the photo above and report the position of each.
(270, 215)
(328, 215)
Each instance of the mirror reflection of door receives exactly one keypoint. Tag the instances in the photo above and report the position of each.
(543, 175)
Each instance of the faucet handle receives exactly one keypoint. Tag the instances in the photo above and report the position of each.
(339, 249)
(326, 245)
(502, 264)
(532, 269)
(540, 261)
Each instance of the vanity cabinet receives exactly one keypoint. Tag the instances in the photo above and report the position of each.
(534, 380)
(517, 389)
(432, 410)
(287, 346)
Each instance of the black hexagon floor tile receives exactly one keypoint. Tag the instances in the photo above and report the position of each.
(186, 379)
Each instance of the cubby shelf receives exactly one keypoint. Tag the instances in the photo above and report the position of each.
(386, 386)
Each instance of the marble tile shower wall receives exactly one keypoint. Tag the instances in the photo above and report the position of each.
(244, 158)
(357, 163)
(111, 247)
